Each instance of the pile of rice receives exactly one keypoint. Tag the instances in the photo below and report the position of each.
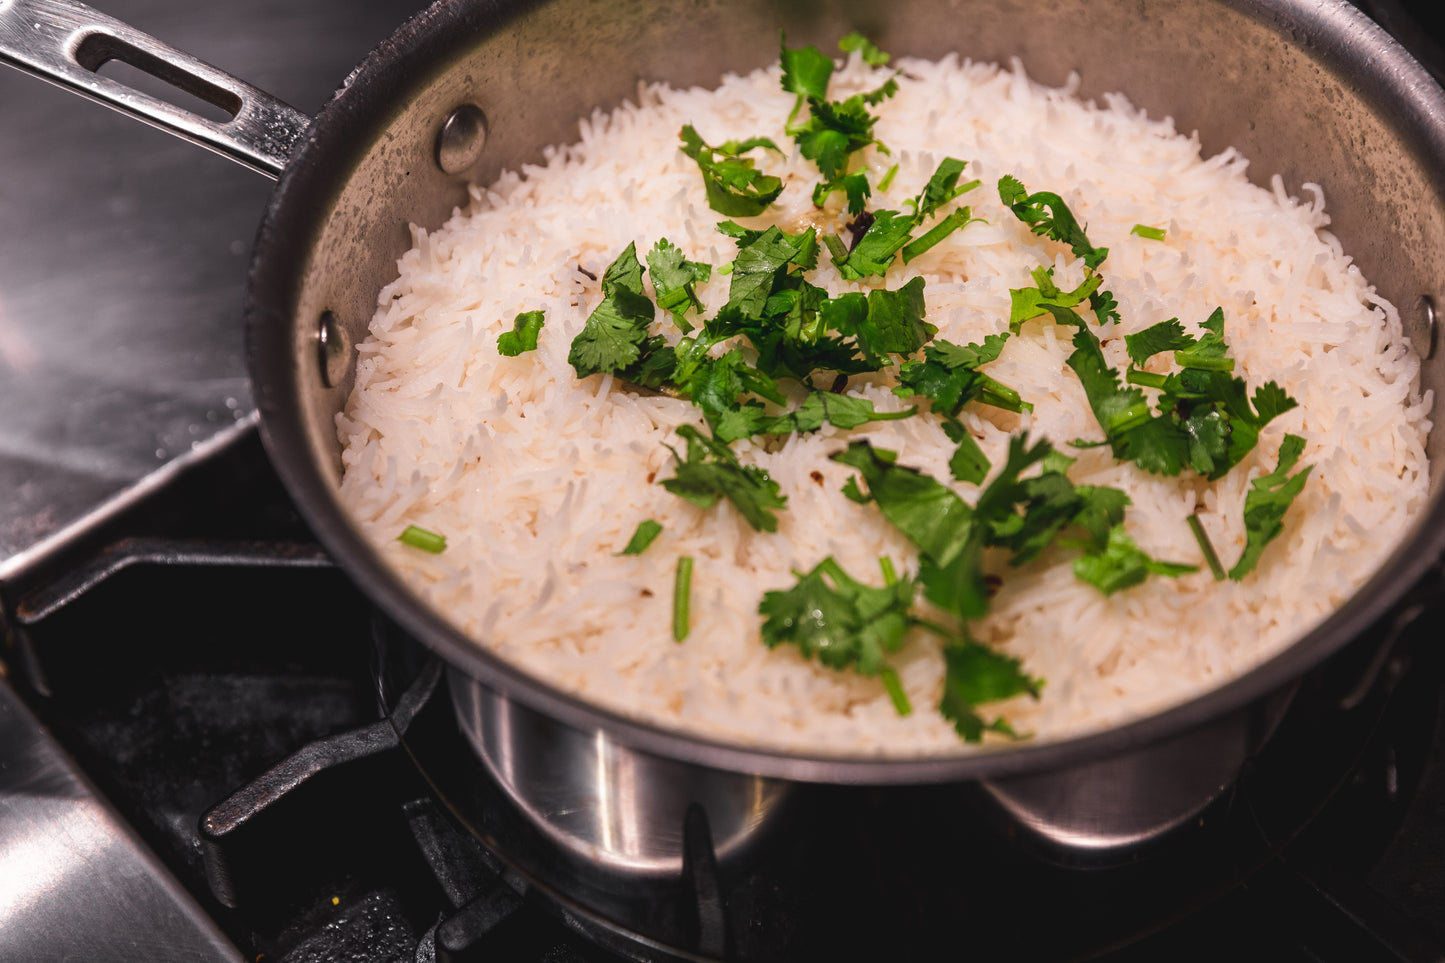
(537, 479)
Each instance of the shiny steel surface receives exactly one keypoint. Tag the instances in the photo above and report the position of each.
(75, 882)
(123, 263)
(614, 807)
(461, 139)
(67, 43)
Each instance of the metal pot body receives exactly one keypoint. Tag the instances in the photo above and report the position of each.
(1314, 91)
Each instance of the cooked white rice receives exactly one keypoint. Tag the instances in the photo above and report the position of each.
(537, 478)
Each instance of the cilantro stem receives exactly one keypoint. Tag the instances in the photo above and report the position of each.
(887, 180)
(1152, 233)
(890, 577)
(1206, 547)
(895, 692)
(682, 598)
(1002, 396)
(1146, 378)
(933, 627)
(424, 539)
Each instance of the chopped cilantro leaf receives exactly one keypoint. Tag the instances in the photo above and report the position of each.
(1209, 353)
(711, 471)
(612, 337)
(872, 56)
(930, 514)
(975, 674)
(874, 253)
(523, 336)
(1205, 419)
(673, 277)
(889, 232)
(1104, 306)
(949, 375)
(806, 72)
(1122, 564)
(1269, 497)
(844, 411)
(761, 259)
(836, 129)
(734, 185)
(942, 187)
(647, 530)
(1101, 509)
(838, 620)
(895, 321)
(623, 274)
(969, 463)
(1027, 303)
(1118, 409)
(715, 384)
(1164, 336)
(1046, 213)
(854, 186)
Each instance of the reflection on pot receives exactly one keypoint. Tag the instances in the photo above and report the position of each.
(611, 805)
(1104, 811)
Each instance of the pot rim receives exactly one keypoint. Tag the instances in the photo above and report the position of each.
(425, 47)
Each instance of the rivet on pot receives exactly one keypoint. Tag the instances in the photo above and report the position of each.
(333, 349)
(461, 139)
(1426, 307)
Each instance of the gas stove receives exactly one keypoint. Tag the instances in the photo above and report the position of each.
(197, 761)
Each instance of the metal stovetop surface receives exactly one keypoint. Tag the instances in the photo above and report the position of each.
(123, 255)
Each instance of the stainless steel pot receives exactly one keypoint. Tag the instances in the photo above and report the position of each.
(1309, 88)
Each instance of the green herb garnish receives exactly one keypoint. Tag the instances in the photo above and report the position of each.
(523, 336)
(1122, 564)
(734, 185)
(838, 620)
(711, 472)
(975, 674)
(673, 277)
(427, 541)
(647, 530)
(1206, 547)
(1152, 233)
(872, 56)
(1269, 497)
(1047, 214)
(682, 599)
(613, 336)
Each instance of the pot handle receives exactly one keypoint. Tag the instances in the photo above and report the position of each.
(66, 43)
